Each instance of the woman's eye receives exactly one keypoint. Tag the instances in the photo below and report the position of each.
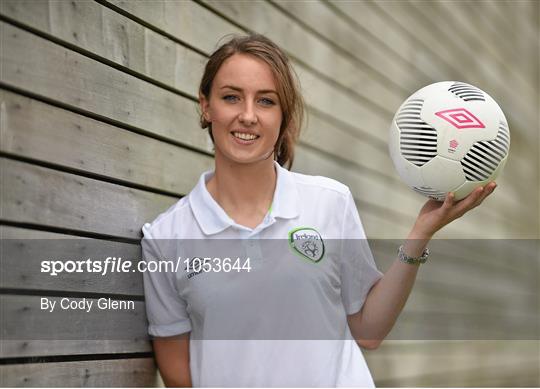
(267, 101)
(230, 98)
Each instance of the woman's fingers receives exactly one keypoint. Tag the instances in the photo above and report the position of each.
(488, 189)
(449, 201)
(469, 202)
(475, 198)
(452, 209)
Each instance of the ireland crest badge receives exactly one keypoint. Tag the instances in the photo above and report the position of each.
(307, 243)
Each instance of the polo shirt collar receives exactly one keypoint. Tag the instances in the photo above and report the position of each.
(286, 202)
(213, 219)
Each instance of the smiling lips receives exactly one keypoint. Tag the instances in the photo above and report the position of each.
(244, 136)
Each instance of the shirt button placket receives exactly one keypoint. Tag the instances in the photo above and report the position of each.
(253, 249)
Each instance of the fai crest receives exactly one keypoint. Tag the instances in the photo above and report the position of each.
(307, 242)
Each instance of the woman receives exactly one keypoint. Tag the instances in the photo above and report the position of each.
(253, 110)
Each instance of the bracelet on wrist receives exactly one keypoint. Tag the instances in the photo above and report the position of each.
(412, 260)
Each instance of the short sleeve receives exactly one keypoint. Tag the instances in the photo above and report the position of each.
(165, 309)
(358, 270)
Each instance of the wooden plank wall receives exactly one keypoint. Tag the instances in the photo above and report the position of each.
(99, 134)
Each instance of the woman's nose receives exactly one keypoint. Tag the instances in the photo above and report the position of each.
(248, 116)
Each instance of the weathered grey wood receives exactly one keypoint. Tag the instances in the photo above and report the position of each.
(366, 19)
(521, 376)
(469, 291)
(35, 13)
(264, 18)
(34, 64)
(471, 29)
(433, 27)
(33, 194)
(183, 19)
(454, 363)
(495, 28)
(512, 258)
(480, 304)
(43, 348)
(43, 132)
(323, 134)
(134, 372)
(23, 318)
(378, 224)
(437, 325)
(24, 250)
(24, 274)
(362, 45)
(350, 110)
(104, 32)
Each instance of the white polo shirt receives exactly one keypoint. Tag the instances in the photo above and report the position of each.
(283, 323)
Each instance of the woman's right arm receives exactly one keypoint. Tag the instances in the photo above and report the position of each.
(172, 357)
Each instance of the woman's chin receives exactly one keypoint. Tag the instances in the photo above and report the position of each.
(249, 158)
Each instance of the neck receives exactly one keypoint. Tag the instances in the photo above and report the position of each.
(243, 189)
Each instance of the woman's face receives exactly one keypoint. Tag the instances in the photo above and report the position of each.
(244, 110)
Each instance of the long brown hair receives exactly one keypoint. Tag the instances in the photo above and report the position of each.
(288, 90)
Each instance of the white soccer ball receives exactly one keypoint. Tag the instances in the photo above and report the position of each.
(449, 137)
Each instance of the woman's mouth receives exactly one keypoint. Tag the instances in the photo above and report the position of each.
(244, 137)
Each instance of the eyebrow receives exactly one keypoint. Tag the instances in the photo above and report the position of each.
(238, 89)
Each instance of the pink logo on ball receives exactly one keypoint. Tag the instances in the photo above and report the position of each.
(460, 118)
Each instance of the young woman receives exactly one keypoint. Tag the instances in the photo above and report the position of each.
(251, 105)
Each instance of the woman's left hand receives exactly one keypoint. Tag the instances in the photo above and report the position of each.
(434, 215)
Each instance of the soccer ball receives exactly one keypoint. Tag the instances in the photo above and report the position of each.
(449, 137)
